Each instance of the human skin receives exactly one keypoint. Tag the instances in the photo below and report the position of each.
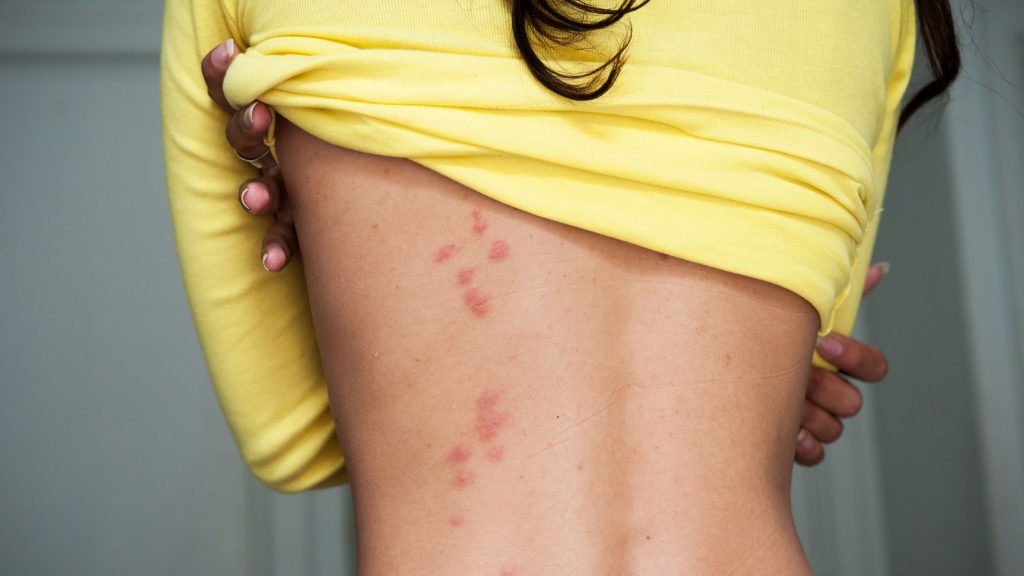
(830, 396)
(514, 395)
(576, 404)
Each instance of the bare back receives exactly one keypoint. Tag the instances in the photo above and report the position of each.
(516, 397)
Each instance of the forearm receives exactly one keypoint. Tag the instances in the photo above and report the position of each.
(271, 390)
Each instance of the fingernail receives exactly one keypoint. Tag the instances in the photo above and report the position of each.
(802, 439)
(223, 53)
(241, 199)
(884, 267)
(247, 116)
(274, 253)
(830, 347)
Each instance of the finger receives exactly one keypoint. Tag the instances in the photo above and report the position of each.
(279, 245)
(875, 275)
(275, 257)
(855, 358)
(809, 451)
(834, 394)
(215, 66)
(260, 196)
(821, 424)
(247, 130)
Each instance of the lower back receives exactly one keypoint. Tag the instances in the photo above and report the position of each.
(515, 396)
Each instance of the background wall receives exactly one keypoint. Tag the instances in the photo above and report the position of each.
(116, 459)
(949, 421)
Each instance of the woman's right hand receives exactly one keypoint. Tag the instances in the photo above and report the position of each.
(246, 132)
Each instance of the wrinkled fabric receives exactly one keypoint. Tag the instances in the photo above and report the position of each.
(750, 136)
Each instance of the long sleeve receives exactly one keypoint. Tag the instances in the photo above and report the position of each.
(903, 63)
(271, 390)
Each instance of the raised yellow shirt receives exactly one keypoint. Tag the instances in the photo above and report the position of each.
(748, 135)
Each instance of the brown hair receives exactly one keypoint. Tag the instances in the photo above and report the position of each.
(551, 22)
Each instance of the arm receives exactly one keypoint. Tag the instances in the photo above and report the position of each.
(271, 390)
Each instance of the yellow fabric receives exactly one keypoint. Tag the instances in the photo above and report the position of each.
(750, 136)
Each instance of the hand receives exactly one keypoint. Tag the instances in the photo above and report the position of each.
(246, 132)
(830, 396)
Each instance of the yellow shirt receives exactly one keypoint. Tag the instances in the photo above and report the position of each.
(750, 136)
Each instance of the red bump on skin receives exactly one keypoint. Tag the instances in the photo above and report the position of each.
(463, 478)
(444, 252)
(489, 420)
(466, 276)
(496, 453)
(456, 520)
(488, 399)
(459, 454)
(479, 224)
(487, 425)
(499, 250)
(509, 569)
(476, 301)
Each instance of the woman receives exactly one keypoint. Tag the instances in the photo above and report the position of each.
(522, 382)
